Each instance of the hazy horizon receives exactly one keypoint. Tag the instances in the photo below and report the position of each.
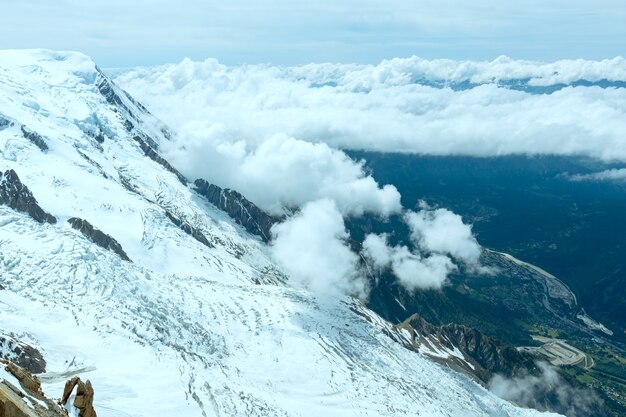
(142, 33)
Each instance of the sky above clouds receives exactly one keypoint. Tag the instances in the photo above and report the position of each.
(120, 33)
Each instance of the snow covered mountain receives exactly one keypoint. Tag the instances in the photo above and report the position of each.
(118, 270)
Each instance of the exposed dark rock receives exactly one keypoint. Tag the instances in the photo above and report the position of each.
(243, 211)
(92, 162)
(480, 357)
(108, 91)
(17, 196)
(128, 125)
(152, 154)
(127, 183)
(189, 229)
(4, 122)
(99, 137)
(21, 354)
(35, 138)
(483, 356)
(98, 237)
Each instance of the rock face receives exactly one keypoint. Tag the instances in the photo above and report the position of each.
(152, 154)
(4, 122)
(17, 196)
(21, 394)
(471, 352)
(243, 211)
(21, 354)
(84, 396)
(189, 229)
(98, 237)
(35, 138)
(112, 97)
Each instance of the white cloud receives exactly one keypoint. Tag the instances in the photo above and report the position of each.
(439, 236)
(382, 108)
(274, 133)
(283, 171)
(532, 390)
(376, 248)
(414, 271)
(442, 231)
(312, 248)
(607, 175)
(411, 269)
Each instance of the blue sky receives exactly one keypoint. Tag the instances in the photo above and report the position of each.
(142, 32)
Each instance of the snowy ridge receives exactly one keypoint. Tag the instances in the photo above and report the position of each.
(186, 329)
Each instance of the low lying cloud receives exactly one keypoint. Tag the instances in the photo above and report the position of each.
(410, 268)
(439, 237)
(283, 171)
(312, 248)
(533, 391)
(617, 175)
(442, 231)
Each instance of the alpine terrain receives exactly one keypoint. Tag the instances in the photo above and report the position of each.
(160, 289)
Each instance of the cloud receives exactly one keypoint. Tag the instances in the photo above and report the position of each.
(277, 134)
(312, 248)
(607, 175)
(416, 272)
(532, 391)
(283, 171)
(399, 105)
(442, 231)
(376, 248)
(411, 269)
(439, 236)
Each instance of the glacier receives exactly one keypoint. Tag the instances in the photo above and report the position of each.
(182, 328)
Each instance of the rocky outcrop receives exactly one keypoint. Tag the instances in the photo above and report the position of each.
(22, 354)
(152, 154)
(113, 97)
(17, 196)
(467, 350)
(21, 394)
(105, 87)
(4, 122)
(98, 237)
(35, 138)
(83, 400)
(189, 229)
(240, 209)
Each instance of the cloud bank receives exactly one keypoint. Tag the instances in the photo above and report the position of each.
(312, 248)
(399, 105)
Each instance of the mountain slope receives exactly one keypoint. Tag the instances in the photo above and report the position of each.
(182, 327)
